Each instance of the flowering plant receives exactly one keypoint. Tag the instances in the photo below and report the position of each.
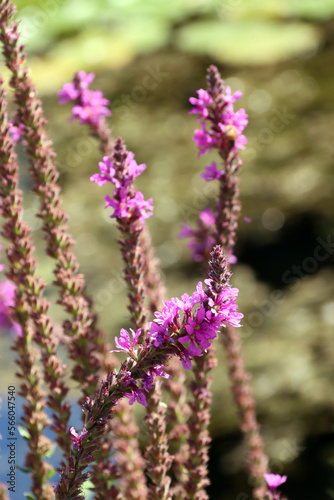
(168, 336)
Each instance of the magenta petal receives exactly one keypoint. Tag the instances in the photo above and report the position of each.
(274, 480)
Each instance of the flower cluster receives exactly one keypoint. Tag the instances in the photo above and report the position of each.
(126, 201)
(226, 128)
(127, 345)
(189, 324)
(198, 318)
(90, 104)
(221, 129)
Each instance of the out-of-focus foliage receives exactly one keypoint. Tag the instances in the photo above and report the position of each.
(66, 34)
(250, 41)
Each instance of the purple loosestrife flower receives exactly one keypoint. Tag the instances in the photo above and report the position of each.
(198, 317)
(107, 172)
(76, 438)
(90, 104)
(204, 140)
(222, 129)
(126, 202)
(16, 131)
(71, 92)
(92, 107)
(7, 302)
(201, 104)
(7, 299)
(212, 172)
(226, 125)
(125, 343)
(274, 481)
(187, 325)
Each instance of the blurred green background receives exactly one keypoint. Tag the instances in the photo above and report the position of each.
(150, 57)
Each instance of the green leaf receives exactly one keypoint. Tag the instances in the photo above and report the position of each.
(23, 432)
(87, 488)
(51, 473)
(51, 451)
(23, 469)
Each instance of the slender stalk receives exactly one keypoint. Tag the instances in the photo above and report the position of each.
(130, 210)
(158, 458)
(89, 107)
(227, 214)
(215, 108)
(39, 327)
(23, 273)
(88, 347)
(199, 439)
(178, 412)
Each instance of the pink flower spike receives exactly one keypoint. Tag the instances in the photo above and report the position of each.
(274, 481)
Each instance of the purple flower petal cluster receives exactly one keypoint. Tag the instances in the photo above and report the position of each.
(185, 326)
(274, 481)
(222, 127)
(16, 131)
(137, 392)
(126, 201)
(7, 297)
(76, 438)
(90, 105)
(212, 172)
(198, 318)
(125, 343)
